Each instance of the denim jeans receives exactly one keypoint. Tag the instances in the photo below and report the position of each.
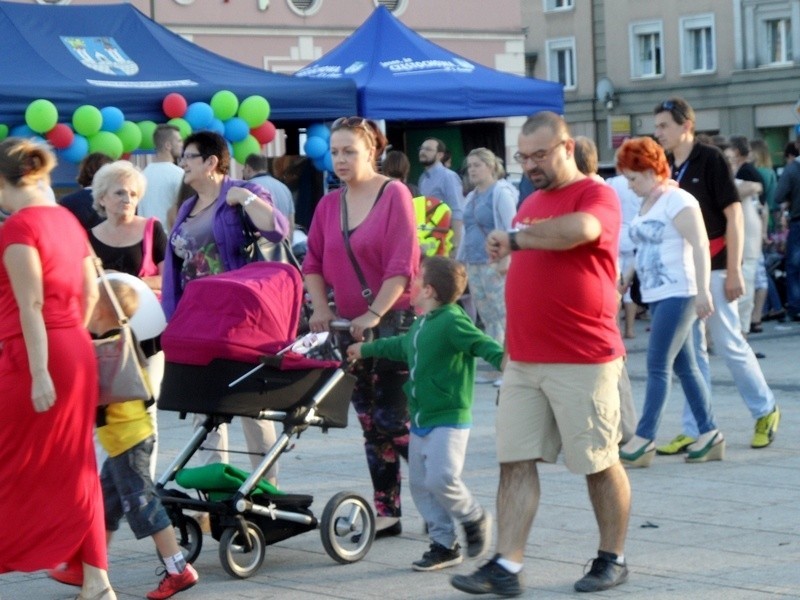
(793, 269)
(671, 347)
(739, 357)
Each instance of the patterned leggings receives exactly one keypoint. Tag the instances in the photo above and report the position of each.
(383, 412)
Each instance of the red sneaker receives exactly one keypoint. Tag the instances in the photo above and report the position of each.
(69, 575)
(172, 584)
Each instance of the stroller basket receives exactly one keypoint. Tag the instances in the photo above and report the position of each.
(204, 389)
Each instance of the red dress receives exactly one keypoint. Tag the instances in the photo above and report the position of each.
(51, 504)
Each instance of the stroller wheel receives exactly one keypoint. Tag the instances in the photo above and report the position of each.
(346, 514)
(189, 536)
(234, 555)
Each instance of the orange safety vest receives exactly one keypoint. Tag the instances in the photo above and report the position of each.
(433, 226)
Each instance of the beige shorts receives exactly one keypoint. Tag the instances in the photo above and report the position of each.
(544, 407)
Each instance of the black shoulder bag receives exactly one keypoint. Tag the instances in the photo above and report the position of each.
(257, 248)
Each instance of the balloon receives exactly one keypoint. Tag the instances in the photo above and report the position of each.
(87, 120)
(22, 131)
(236, 129)
(199, 115)
(264, 133)
(60, 136)
(328, 162)
(41, 115)
(76, 150)
(318, 130)
(130, 135)
(3, 132)
(147, 128)
(106, 143)
(148, 321)
(174, 105)
(315, 147)
(112, 118)
(319, 163)
(254, 110)
(183, 125)
(225, 104)
(246, 147)
(217, 126)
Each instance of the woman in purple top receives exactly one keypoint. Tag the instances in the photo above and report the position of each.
(377, 215)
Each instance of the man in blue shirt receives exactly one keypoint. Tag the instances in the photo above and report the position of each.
(440, 182)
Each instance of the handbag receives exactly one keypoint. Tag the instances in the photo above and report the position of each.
(148, 267)
(257, 248)
(120, 360)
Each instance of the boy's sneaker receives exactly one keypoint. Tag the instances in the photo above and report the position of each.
(172, 584)
(491, 578)
(438, 557)
(479, 535)
(766, 427)
(604, 574)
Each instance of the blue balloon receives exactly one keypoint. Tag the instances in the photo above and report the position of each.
(236, 129)
(319, 163)
(797, 129)
(112, 119)
(315, 147)
(217, 126)
(76, 150)
(22, 131)
(329, 162)
(199, 115)
(319, 130)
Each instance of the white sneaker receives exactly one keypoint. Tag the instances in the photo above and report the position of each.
(498, 382)
(483, 379)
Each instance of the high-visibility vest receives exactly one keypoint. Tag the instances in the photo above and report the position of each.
(433, 226)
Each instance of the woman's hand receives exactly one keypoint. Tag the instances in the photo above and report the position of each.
(237, 195)
(43, 392)
(703, 304)
(361, 323)
(320, 319)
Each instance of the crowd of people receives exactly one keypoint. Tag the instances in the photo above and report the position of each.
(690, 223)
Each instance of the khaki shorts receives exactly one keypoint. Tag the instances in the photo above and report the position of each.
(544, 407)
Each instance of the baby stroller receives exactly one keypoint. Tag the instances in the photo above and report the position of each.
(230, 352)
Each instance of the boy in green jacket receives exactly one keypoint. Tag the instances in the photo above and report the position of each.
(440, 349)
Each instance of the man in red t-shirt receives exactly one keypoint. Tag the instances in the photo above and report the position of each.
(565, 357)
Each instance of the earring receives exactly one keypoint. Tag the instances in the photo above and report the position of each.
(210, 176)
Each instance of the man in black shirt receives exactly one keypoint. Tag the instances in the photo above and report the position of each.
(703, 171)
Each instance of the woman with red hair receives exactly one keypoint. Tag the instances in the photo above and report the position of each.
(673, 265)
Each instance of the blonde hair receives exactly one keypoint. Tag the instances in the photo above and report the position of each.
(491, 160)
(761, 154)
(127, 297)
(25, 162)
(112, 173)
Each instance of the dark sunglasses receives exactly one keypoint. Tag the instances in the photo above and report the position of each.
(677, 111)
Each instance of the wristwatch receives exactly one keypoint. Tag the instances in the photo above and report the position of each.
(512, 240)
(248, 200)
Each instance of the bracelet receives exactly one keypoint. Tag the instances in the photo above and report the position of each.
(250, 198)
(380, 316)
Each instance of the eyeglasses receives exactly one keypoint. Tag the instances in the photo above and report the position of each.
(351, 123)
(537, 157)
(190, 155)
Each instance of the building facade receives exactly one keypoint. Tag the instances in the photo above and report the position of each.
(737, 62)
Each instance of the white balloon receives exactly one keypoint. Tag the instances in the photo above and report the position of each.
(148, 321)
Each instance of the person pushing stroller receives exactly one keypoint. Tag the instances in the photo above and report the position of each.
(440, 349)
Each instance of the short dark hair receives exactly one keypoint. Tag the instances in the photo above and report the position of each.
(258, 162)
(791, 149)
(740, 144)
(90, 165)
(586, 155)
(163, 134)
(549, 119)
(440, 145)
(447, 277)
(395, 164)
(679, 108)
(210, 143)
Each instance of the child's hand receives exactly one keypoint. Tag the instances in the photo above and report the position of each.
(354, 352)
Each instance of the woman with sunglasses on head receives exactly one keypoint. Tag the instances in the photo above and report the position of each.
(374, 216)
(207, 239)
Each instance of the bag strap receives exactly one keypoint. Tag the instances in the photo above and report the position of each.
(366, 292)
(101, 272)
(148, 266)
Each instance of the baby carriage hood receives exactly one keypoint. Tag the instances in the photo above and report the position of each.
(238, 315)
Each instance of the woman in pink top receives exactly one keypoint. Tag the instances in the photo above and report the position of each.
(376, 215)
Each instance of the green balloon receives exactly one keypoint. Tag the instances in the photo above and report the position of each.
(147, 129)
(41, 115)
(106, 143)
(224, 104)
(130, 135)
(3, 132)
(87, 120)
(182, 125)
(243, 149)
(254, 110)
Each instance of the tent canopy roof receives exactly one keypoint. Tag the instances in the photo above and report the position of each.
(113, 55)
(402, 76)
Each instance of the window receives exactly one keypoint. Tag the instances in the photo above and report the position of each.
(698, 48)
(561, 62)
(397, 7)
(778, 35)
(554, 5)
(305, 8)
(646, 50)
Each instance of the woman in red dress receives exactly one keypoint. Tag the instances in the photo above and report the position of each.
(48, 380)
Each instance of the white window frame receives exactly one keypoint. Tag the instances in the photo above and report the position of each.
(764, 34)
(315, 6)
(689, 25)
(553, 48)
(401, 7)
(637, 31)
(558, 5)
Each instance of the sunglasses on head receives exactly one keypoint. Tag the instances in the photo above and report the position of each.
(676, 110)
(351, 123)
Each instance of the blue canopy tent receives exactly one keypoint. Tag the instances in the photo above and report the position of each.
(113, 55)
(401, 76)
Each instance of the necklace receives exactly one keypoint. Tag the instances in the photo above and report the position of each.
(194, 212)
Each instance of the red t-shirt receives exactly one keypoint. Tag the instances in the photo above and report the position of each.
(562, 305)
